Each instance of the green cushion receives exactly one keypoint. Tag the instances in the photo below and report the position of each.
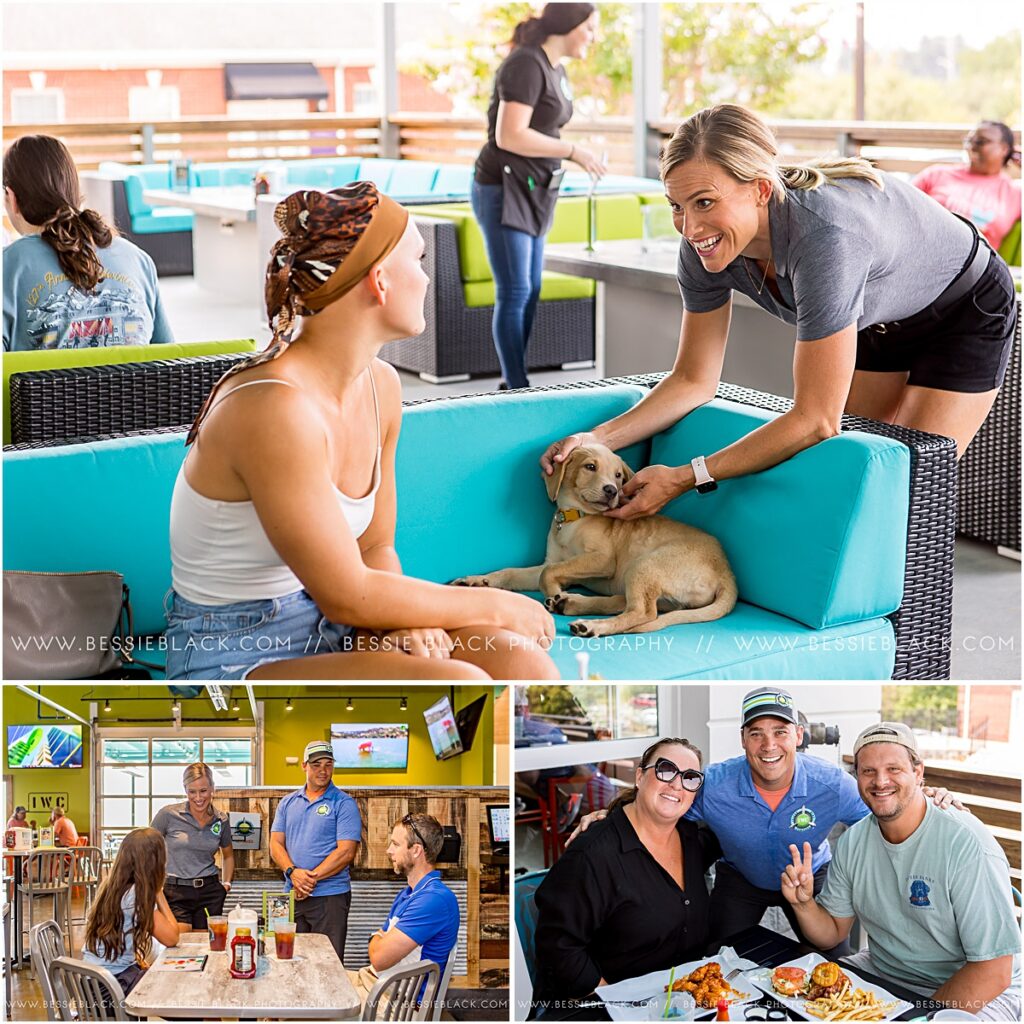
(552, 286)
(64, 358)
(1010, 248)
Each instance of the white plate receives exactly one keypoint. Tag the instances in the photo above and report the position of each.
(762, 978)
(623, 997)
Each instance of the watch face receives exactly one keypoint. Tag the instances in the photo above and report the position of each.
(707, 488)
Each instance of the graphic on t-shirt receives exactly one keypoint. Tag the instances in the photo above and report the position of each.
(803, 819)
(73, 319)
(919, 894)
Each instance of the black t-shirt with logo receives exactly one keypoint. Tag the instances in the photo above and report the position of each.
(526, 76)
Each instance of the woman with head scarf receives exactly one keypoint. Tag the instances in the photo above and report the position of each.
(902, 312)
(518, 171)
(980, 189)
(69, 280)
(283, 515)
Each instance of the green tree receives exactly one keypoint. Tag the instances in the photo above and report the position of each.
(930, 707)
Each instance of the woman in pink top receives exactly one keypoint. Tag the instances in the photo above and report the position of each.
(981, 191)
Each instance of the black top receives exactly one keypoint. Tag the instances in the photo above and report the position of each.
(608, 909)
(526, 76)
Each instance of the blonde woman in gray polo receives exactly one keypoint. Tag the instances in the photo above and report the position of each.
(194, 831)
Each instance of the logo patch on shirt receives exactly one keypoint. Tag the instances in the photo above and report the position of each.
(919, 894)
(323, 809)
(216, 827)
(803, 819)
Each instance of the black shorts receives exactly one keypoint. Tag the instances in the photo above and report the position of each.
(189, 905)
(963, 348)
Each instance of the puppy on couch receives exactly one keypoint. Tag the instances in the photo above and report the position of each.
(650, 573)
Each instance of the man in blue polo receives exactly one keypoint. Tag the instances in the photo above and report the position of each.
(423, 923)
(313, 840)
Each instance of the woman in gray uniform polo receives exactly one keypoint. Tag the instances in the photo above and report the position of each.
(902, 312)
(194, 831)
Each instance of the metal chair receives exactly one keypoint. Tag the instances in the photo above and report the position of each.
(86, 872)
(85, 992)
(442, 988)
(46, 943)
(48, 873)
(396, 995)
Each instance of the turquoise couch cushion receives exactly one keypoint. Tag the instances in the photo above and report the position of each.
(378, 171)
(161, 219)
(412, 178)
(477, 459)
(454, 180)
(120, 490)
(821, 537)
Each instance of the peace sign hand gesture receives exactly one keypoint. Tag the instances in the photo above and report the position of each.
(798, 878)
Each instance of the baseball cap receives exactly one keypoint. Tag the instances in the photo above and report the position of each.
(887, 732)
(20, 808)
(769, 701)
(317, 749)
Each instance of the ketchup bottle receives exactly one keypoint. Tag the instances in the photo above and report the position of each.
(243, 954)
(723, 1010)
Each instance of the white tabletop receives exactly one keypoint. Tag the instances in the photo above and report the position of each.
(231, 202)
(313, 984)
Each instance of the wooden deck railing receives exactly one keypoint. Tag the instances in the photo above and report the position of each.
(449, 139)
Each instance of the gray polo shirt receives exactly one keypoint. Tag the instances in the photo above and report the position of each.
(191, 846)
(842, 253)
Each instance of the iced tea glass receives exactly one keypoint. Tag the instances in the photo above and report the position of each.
(284, 939)
(218, 933)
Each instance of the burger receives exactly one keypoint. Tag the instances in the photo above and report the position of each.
(789, 981)
(826, 980)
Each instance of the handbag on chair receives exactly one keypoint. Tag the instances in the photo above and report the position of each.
(66, 625)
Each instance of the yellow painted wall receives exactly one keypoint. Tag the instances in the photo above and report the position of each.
(285, 733)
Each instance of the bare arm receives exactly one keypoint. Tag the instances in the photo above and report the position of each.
(165, 927)
(512, 132)
(228, 869)
(817, 924)
(338, 859)
(977, 983)
(387, 948)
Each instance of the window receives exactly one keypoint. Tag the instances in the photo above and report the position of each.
(139, 775)
(160, 103)
(37, 106)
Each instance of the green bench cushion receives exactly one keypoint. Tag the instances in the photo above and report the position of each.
(552, 286)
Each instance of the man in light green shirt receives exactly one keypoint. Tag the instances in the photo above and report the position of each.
(931, 887)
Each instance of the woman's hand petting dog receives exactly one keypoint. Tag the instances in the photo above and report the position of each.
(649, 491)
(558, 452)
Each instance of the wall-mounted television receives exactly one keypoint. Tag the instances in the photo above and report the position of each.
(443, 732)
(44, 746)
(376, 746)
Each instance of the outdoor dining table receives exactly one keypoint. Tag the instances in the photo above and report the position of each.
(313, 984)
(767, 949)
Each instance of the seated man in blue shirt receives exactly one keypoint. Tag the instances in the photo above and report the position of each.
(423, 923)
(313, 840)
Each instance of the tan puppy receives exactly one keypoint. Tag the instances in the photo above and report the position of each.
(652, 572)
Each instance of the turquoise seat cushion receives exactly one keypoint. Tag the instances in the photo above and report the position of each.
(412, 178)
(378, 171)
(820, 538)
(161, 219)
(749, 643)
(120, 490)
(477, 459)
(453, 180)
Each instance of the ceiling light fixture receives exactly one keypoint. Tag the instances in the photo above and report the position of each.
(404, 706)
(288, 706)
(106, 706)
(350, 706)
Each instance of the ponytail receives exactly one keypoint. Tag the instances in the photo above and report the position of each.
(74, 236)
(827, 171)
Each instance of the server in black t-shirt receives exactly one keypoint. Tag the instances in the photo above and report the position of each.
(632, 899)
(518, 170)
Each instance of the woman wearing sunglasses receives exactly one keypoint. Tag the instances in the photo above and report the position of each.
(629, 896)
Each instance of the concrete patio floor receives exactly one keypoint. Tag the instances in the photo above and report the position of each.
(986, 586)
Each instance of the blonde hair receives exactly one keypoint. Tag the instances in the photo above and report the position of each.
(743, 145)
(196, 771)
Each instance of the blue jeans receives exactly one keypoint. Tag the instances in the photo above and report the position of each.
(228, 641)
(517, 260)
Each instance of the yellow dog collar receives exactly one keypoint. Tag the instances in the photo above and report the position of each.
(568, 515)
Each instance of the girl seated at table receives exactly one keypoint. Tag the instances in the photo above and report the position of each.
(631, 899)
(130, 921)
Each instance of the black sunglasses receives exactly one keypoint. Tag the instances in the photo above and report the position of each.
(666, 771)
(407, 820)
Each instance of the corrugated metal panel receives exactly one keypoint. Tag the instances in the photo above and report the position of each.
(371, 902)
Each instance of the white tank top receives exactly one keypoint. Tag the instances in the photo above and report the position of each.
(220, 552)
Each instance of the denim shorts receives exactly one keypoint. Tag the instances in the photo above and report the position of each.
(228, 641)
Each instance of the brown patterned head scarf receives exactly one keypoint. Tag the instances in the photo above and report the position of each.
(329, 242)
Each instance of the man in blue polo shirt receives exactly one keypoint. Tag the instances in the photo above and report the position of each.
(423, 923)
(313, 840)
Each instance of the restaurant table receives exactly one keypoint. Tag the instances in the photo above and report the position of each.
(312, 985)
(639, 312)
(225, 246)
(768, 949)
(13, 860)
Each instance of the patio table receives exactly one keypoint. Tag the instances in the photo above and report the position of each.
(312, 985)
(768, 949)
(639, 312)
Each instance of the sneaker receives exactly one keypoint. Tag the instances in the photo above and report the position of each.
(503, 385)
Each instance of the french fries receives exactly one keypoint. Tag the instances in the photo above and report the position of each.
(849, 1005)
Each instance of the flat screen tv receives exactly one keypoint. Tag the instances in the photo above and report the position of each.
(443, 732)
(467, 719)
(44, 746)
(376, 746)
